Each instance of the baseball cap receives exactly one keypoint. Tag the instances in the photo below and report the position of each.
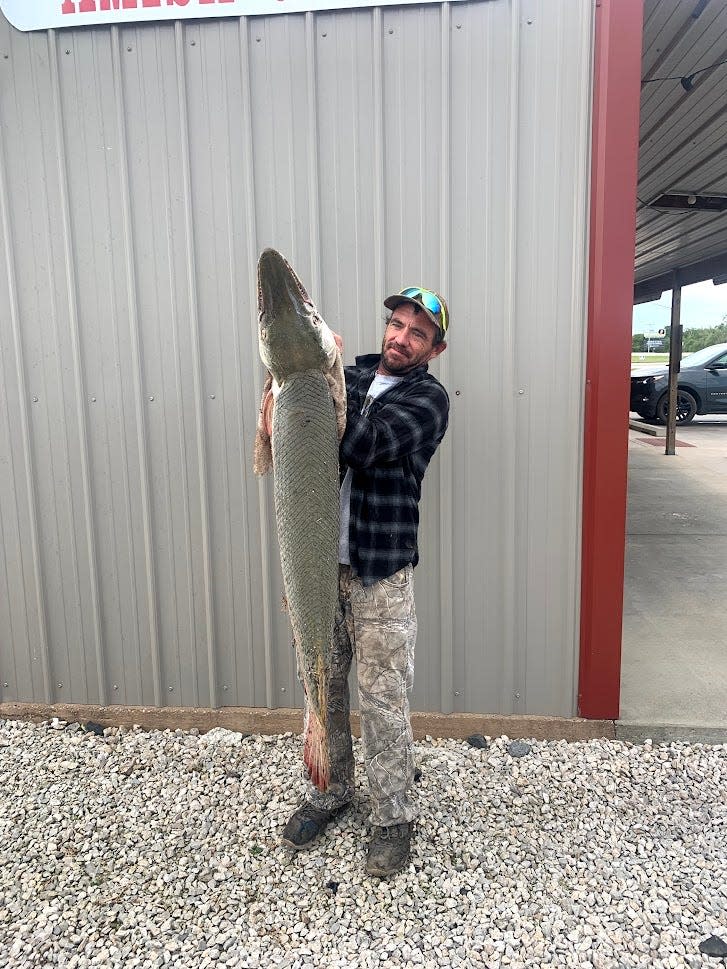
(426, 299)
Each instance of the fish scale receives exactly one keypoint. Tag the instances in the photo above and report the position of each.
(305, 465)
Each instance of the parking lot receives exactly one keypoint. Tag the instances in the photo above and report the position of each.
(674, 662)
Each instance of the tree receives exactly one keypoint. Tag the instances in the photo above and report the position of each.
(692, 339)
(698, 337)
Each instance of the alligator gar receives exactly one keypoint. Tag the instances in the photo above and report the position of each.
(300, 352)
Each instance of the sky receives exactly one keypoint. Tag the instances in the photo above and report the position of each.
(703, 304)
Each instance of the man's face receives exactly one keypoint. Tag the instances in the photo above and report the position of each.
(408, 341)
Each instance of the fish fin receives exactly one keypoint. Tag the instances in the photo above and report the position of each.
(263, 447)
(337, 386)
(316, 756)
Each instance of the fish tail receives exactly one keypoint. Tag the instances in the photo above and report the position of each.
(315, 752)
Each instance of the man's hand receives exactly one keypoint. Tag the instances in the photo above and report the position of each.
(339, 340)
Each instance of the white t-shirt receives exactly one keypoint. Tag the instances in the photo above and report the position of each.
(379, 384)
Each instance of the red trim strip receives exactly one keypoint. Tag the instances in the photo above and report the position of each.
(615, 138)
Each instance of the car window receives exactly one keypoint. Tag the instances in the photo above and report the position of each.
(701, 357)
(720, 361)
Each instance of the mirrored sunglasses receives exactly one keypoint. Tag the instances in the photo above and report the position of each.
(429, 299)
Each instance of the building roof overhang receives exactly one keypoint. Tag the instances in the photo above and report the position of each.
(682, 145)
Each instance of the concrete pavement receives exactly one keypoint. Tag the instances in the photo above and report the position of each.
(674, 654)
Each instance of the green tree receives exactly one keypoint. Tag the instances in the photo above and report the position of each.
(698, 337)
(692, 339)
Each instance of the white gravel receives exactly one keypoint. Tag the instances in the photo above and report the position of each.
(161, 848)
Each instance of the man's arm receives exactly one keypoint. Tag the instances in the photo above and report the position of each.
(398, 428)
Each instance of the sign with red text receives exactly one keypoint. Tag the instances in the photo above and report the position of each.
(42, 14)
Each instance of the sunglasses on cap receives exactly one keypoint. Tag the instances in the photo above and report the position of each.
(429, 299)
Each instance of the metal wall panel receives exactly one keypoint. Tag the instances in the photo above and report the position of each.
(141, 171)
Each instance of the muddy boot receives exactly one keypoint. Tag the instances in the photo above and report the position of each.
(306, 824)
(389, 849)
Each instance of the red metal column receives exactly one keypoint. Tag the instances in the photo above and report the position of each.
(617, 75)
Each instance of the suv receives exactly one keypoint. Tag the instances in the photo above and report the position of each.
(702, 386)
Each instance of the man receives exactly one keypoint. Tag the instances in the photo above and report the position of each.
(396, 416)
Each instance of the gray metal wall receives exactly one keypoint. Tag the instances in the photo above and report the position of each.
(141, 171)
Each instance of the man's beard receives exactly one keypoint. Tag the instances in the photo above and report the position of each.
(399, 365)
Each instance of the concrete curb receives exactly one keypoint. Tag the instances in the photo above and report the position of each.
(656, 430)
(257, 720)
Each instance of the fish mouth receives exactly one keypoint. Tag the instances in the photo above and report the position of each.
(281, 295)
(292, 336)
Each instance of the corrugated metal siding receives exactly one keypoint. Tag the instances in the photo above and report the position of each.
(141, 171)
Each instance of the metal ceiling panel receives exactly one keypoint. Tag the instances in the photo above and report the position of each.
(683, 133)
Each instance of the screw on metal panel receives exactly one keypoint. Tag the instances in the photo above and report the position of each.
(282, 689)
(171, 689)
(192, 43)
(93, 400)
(391, 30)
(459, 26)
(151, 398)
(60, 686)
(324, 34)
(457, 393)
(212, 396)
(116, 686)
(521, 392)
(517, 696)
(35, 400)
(5, 684)
(258, 39)
(68, 52)
(457, 693)
(6, 56)
(225, 687)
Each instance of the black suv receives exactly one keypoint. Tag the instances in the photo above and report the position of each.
(702, 386)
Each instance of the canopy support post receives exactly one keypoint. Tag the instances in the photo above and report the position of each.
(675, 356)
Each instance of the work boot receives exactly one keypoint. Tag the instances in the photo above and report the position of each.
(305, 824)
(389, 849)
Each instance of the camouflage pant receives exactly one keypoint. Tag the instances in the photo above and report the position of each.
(379, 623)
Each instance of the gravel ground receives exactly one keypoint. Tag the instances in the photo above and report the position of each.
(149, 849)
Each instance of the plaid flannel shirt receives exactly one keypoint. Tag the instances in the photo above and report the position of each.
(388, 450)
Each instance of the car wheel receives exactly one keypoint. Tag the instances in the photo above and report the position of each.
(686, 407)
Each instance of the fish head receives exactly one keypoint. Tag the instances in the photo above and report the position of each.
(293, 337)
